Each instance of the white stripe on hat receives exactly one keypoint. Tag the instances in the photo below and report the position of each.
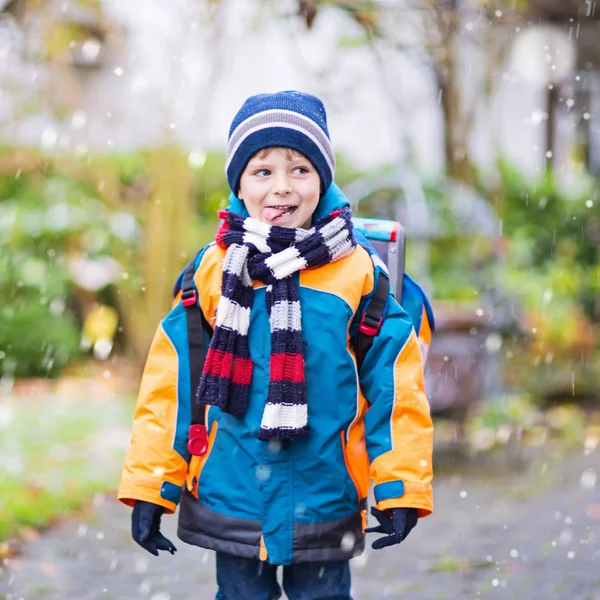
(283, 125)
(271, 118)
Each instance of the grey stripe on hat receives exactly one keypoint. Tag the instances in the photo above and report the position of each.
(281, 118)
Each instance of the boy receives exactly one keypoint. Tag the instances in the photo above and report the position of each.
(295, 433)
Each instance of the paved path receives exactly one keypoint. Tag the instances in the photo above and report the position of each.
(498, 532)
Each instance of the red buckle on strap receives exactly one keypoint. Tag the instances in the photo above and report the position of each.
(189, 299)
(367, 329)
(198, 442)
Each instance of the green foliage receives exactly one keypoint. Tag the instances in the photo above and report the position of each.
(34, 342)
(551, 267)
(50, 216)
(553, 249)
(509, 410)
(557, 222)
(542, 273)
(48, 447)
(37, 337)
(347, 42)
(460, 264)
(211, 193)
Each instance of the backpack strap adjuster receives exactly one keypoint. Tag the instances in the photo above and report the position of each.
(370, 326)
(198, 440)
(189, 297)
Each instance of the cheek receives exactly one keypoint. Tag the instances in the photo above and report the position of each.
(253, 208)
(251, 198)
(311, 193)
(311, 205)
(311, 200)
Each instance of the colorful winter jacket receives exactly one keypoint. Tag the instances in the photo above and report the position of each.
(308, 501)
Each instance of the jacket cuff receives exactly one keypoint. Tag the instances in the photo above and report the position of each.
(163, 493)
(388, 489)
(397, 494)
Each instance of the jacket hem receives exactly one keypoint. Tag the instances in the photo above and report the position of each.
(327, 554)
(250, 551)
(218, 545)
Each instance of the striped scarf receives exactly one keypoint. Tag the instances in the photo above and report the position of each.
(269, 254)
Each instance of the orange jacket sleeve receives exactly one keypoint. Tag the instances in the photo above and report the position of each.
(398, 426)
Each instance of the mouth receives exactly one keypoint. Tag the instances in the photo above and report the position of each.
(272, 213)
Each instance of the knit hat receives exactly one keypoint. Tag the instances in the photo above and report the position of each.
(289, 119)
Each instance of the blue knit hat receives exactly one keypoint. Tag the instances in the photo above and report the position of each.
(289, 119)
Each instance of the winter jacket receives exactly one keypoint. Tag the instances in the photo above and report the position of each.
(305, 502)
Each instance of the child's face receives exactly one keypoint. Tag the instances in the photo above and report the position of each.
(281, 187)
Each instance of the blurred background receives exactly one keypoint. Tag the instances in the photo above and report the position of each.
(473, 122)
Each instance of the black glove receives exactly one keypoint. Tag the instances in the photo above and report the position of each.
(145, 525)
(397, 526)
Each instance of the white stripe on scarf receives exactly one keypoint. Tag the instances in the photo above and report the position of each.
(286, 316)
(337, 243)
(232, 316)
(257, 240)
(235, 262)
(285, 263)
(284, 416)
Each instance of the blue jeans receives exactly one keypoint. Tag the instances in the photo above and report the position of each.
(250, 579)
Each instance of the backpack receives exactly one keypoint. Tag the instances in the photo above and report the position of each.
(385, 241)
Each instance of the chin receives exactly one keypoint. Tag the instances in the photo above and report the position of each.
(302, 224)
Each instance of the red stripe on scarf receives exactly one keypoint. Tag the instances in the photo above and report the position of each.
(225, 364)
(287, 367)
(223, 228)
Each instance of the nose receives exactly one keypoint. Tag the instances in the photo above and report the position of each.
(282, 187)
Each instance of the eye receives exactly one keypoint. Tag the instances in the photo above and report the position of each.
(301, 170)
(262, 172)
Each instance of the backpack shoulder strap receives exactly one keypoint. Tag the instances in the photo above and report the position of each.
(372, 317)
(196, 326)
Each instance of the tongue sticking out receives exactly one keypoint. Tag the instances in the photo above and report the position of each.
(271, 213)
